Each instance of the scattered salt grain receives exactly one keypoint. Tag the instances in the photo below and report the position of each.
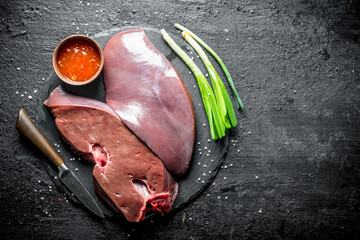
(224, 177)
(18, 68)
(35, 91)
(76, 169)
(30, 97)
(226, 197)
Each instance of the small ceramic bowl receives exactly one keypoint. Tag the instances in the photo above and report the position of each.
(58, 49)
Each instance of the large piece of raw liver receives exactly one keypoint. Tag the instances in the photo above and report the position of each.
(128, 176)
(148, 95)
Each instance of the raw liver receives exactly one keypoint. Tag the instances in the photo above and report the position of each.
(149, 96)
(128, 176)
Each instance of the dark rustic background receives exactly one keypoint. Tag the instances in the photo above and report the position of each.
(292, 171)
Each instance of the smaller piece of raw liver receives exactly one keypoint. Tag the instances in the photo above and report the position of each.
(128, 176)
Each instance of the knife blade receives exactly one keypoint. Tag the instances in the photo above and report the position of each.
(68, 178)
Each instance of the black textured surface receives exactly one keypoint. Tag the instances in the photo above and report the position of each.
(292, 171)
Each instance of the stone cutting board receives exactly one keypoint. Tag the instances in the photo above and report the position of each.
(207, 157)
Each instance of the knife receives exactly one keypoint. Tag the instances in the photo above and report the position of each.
(68, 178)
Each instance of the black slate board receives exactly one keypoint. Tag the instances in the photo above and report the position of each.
(207, 157)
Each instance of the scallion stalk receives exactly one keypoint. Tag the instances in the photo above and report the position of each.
(221, 94)
(238, 101)
(217, 127)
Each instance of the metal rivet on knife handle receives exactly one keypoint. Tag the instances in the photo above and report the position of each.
(28, 128)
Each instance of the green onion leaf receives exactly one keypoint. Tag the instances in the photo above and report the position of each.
(217, 128)
(223, 100)
(238, 101)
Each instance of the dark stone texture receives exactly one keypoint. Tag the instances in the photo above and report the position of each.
(293, 172)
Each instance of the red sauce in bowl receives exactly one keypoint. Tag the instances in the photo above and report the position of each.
(78, 60)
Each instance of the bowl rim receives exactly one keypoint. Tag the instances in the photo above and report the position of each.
(59, 47)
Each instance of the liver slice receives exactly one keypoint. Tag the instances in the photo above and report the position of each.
(149, 96)
(128, 176)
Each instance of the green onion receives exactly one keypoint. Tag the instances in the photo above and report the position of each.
(221, 94)
(217, 127)
(238, 101)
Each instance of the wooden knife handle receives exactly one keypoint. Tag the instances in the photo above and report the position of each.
(29, 129)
